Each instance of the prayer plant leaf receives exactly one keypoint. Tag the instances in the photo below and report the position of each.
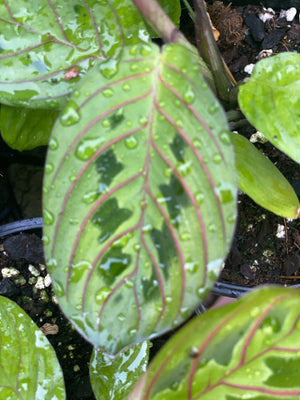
(113, 378)
(28, 363)
(25, 129)
(47, 46)
(271, 101)
(139, 196)
(248, 349)
(262, 181)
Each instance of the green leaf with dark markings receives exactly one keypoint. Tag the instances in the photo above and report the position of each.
(113, 378)
(271, 101)
(28, 363)
(139, 196)
(46, 47)
(247, 349)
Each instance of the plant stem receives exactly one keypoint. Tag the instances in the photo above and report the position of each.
(210, 53)
(190, 10)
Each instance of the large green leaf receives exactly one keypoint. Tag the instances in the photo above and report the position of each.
(25, 129)
(47, 46)
(28, 363)
(113, 378)
(262, 181)
(271, 101)
(249, 349)
(140, 190)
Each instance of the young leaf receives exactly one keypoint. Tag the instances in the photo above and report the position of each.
(248, 349)
(140, 190)
(262, 181)
(25, 129)
(47, 46)
(113, 378)
(173, 9)
(271, 101)
(28, 363)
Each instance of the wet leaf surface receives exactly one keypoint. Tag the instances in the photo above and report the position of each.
(145, 239)
(29, 367)
(248, 348)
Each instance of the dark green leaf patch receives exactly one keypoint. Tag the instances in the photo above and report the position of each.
(108, 167)
(113, 264)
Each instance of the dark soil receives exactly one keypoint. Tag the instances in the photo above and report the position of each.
(24, 253)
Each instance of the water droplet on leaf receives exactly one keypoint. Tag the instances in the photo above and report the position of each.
(102, 295)
(108, 92)
(49, 168)
(189, 96)
(53, 144)
(48, 217)
(131, 142)
(109, 68)
(70, 114)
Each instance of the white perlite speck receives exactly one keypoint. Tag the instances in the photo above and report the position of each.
(249, 68)
(268, 13)
(280, 231)
(9, 272)
(289, 14)
(47, 280)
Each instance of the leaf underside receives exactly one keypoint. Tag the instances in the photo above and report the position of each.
(248, 349)
(271, 101)
(28, 363)
(139, 196)
(47, 46)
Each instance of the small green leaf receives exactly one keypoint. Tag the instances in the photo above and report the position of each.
(271, 101)
(24, 129)
(28, 363)
(47, 46)
(139, 205)
(113, 378)
(248, 349)
(262, 181)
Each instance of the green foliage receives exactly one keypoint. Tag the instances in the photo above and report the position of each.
(26, 129)
(157, 229)
(113, 378)
(247, 347)
(28, 363)
(47, 47)
(140, 201)
(271, 101)
(262, 181)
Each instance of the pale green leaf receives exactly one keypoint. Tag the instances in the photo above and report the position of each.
(47, 46)
(113, 377)
(249, 349)
(139, 196)
(270, 99)
(28, 363)
(262, 181)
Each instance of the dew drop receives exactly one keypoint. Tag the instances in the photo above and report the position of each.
(129, 283)
(121, 317)
(225, 138)
(161, 103)
(76, 93)
(134, 67)
(213, 108)
(49, 168)
(189, 96)
(145, 50)
(53, 144)
(48, 217)
(168, 172)
(74, 221)
(129, 123)
(45, 239)
(102, 295)
(90, 197)
(109, 68)
(105, 123)
(185, 236)
(70, 114)
(131, 142)
(168, 299)
(136, 247)
(197, 143)
(161, 117)
(87, 147)
(184, 168)
(126, 87)
(212, 228)
(108, 92)
(177, 103)
(199, 196)
(78, 307)
(132, 332)
(58, 287)
(217, 158)
(179, 123)
(158, 307)
(185, 312)
(255, 311)
(143, 120)
(45, 190)
(133, 50)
